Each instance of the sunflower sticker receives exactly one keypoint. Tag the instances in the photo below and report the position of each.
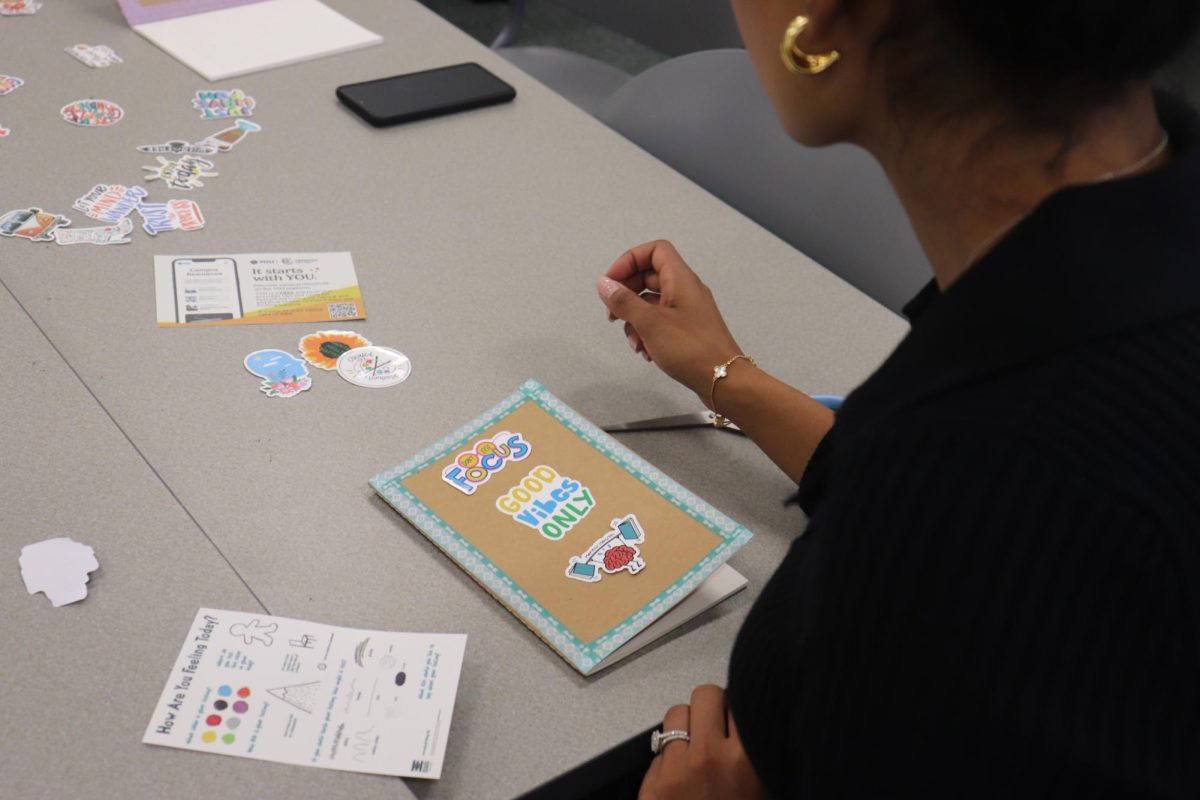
(322, 349)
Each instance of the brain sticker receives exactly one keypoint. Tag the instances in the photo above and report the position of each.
(618, 557)
(613, 552)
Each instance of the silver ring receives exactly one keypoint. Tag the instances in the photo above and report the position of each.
(659, 739)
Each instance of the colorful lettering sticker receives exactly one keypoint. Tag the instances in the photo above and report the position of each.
(9, 84)
(95, 56)
(12, 8)
(110, 202)
(374, 367)
(221, 104)
(183, 173)
(224, 140)
(32, 224)
(92, 113)
(109, 234)
(322, 349)
(178, 147)
(613, 552)
(283, 374)
(473, 468)
(173, 215)
(547, 502)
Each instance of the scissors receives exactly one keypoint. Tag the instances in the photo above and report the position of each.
(700, 419)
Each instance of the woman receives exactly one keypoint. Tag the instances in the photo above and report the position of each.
(999, 590)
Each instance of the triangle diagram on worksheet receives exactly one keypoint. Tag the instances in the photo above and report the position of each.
(301, 695)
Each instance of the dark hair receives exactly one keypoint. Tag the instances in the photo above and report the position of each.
(1048, 62)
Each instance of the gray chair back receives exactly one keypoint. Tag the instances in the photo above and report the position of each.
(673, 27)
(584, 81)
(706, 115)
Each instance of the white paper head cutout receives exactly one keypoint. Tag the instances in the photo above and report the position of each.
(59, 567)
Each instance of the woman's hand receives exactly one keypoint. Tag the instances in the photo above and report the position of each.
(712, 766)
(670, 315)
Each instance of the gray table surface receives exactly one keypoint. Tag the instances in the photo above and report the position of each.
(477, 240)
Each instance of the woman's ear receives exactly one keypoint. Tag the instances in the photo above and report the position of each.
(821, 34)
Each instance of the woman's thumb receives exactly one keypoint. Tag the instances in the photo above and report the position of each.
(623, 303)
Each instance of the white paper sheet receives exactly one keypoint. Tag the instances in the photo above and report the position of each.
(58, 567)
(295, 692)
(724, 582)
(274, 33)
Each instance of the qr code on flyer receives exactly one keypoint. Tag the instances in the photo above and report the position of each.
(342, 310)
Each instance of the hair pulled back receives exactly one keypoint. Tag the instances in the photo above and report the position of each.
(1046, 62)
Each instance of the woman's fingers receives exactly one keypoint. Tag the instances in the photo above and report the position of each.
(708, 715)
(677, 719)
(635, 342)
(624, 304)
(656, 266)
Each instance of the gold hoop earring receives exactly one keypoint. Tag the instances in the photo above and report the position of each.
(798, 61)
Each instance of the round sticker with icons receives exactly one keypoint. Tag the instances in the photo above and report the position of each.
(376, 367)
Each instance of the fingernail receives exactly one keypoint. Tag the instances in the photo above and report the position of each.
(607, 287)
(632, 342)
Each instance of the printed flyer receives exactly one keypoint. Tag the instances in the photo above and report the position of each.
(295, 692)
(256, 288)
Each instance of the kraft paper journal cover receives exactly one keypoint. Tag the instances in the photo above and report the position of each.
(223, 38)
(594, 549)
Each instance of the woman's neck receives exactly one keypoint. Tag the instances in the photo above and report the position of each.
(964, 191)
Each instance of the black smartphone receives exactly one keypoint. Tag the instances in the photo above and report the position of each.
(420, 95)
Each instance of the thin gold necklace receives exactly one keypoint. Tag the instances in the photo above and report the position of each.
(991, 241)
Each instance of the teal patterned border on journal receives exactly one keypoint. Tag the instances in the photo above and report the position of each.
(586, 656)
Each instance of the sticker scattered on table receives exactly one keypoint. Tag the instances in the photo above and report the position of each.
(4, 131)
(183, 173)
(59, 568)
(179, 147)
(9, 84)
(614, 551)
(224, 140)
(221, 104)
(13, 8)
(374, 366)
(110, 202)
(32, 223)
(322, 349)
(304, 693)
(108, 234)
(283, 374)
(173, 215)
(94, 55)
(92, 113)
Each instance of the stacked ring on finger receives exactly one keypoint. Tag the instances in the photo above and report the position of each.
(659, 739)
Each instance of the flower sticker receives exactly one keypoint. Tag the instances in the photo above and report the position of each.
(283, 375)
(323, 348)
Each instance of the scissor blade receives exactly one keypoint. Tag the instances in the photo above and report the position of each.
(698, 419)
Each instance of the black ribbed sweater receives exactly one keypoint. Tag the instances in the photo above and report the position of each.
(998, 594)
